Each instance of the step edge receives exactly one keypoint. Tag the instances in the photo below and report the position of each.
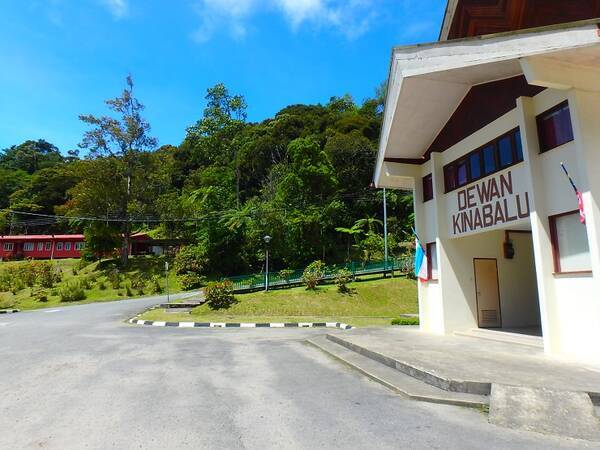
(483, 336)
(446, 384)
(423, 398)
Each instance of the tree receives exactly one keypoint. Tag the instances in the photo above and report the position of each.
(210, 141)
(11, 180)
(31, 156)
(123, 139)
(46, 189)
(101, 239)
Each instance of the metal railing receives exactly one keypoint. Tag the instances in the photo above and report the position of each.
(289, 278)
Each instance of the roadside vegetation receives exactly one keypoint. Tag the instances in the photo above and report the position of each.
(373, 302)
(301, 177)
(40, 284)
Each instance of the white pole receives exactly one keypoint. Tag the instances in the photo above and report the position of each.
(267, 272)
(385, 233)
(167, 280)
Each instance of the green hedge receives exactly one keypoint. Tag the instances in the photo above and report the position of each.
(406, 321)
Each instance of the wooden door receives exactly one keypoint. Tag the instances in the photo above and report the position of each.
(488, 293)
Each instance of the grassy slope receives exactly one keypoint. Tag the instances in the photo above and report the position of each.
(71, 273)
(373, 302)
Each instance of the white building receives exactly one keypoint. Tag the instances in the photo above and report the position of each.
(477, 128)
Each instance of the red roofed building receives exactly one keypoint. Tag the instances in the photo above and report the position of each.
(41, 246)
(58, 246)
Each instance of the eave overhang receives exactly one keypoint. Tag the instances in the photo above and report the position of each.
(427, 82)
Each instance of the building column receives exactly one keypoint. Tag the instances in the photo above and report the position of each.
(585, 113)
(457, 314)
(540, 225)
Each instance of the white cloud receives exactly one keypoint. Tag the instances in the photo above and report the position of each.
(351, 18)
(118, 8)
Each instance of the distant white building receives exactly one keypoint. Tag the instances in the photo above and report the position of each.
(478, 127)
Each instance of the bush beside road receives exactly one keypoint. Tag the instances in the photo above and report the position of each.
(25, 285)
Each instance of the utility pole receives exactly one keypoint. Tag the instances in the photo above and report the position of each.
(267, 239)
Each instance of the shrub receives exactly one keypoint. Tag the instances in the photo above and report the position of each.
(102, 286)
(138, 283)
(286, 274)
(71, 292)
(85, 283)
(342, 278)
(191, 259)
(114, 278)
(313, 273)
(155, 287)
(128, 291)
(46, 274)
(191, 281)
(219, 295)
(84, 261)
(406, 321)
(40, 296)
(16, 284)
(27, 273)
(5, 281)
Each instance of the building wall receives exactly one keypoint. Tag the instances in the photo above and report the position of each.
(569, 304)
(53, 252)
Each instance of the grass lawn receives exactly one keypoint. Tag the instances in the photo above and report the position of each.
(96, 277)
(373, 302)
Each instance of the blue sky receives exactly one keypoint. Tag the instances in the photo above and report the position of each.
(61, 58)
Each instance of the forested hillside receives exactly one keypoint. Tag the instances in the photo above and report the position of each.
(301, 177)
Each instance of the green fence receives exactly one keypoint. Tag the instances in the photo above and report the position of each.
(287, 278)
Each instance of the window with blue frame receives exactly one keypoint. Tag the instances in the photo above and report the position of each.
(502, 152)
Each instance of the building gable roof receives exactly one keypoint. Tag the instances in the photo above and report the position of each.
(428, 82)
(465, 18)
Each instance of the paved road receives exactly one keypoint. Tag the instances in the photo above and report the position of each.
(79, 377)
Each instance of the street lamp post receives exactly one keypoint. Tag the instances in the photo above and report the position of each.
(267, 239)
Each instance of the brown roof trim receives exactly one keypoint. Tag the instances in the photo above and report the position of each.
(415, 161)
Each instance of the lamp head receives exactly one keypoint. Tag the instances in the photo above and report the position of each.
(267, 239)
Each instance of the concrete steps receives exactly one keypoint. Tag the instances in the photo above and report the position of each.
(503, 336)
(422, 374)
(394, 379)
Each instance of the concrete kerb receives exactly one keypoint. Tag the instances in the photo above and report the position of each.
(467, 387)
(339, 325)
(8, 311)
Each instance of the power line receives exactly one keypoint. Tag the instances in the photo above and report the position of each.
(41, 219)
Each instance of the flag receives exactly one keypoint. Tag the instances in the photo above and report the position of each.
(577, 193)
(581, 210)
(421, 264)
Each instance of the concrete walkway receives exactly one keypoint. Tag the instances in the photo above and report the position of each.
(469, 359)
